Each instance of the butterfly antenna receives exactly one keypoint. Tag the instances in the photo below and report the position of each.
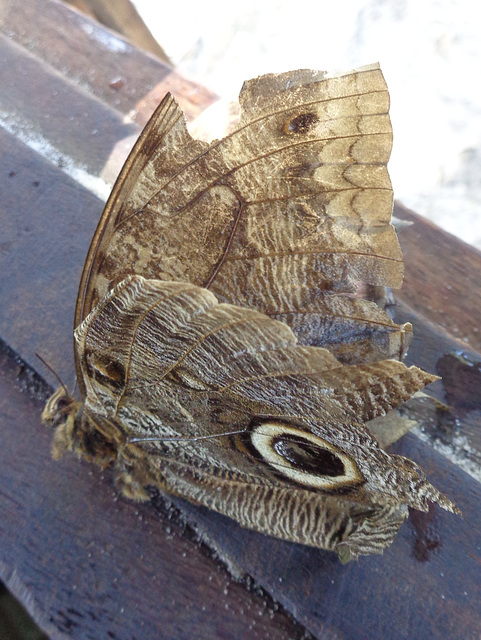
(186, 439)
(54, 373)
(209, 437)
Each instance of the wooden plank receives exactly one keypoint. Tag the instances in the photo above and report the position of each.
(64, 123)
(426, 584)
(36, 313)
(440, 297)
(123, 18)
(306, 574)
(89, 565)
(442, 279)
(73, 44)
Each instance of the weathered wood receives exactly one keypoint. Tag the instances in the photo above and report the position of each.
(442, 277)
(67, 125)
(440, 297)
(105, 65)
(36, 197)
(88, 565)
(124, 18)
(54, 514)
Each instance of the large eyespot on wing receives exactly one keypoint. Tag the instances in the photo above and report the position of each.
(304, 457)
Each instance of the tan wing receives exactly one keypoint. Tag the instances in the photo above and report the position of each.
(285, 215)
(164, 359)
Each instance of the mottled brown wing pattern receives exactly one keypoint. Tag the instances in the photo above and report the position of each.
(286, 215)
(165, 360)
(214, 275)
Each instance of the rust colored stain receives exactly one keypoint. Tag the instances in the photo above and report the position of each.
(426, 537)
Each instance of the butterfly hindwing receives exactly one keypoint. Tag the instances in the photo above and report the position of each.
(164, 360)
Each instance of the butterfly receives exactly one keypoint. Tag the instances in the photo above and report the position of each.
(224, 352)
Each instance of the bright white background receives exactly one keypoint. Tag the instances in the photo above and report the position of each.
(430, 54)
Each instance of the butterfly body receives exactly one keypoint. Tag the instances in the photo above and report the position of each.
(202, 369)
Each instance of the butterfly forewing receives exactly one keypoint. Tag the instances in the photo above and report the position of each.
(283, 215)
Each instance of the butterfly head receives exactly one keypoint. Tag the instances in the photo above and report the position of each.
(60, 413)
(76, 431)
(59, 408)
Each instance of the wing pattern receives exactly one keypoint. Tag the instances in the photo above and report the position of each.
(166, 360)
(286, 215)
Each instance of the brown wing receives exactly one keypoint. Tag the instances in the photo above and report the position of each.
(164, 360)
(287, 214)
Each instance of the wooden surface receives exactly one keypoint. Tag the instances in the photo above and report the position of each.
(90, 564)
(122, 17)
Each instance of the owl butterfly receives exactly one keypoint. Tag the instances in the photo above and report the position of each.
(223, 352)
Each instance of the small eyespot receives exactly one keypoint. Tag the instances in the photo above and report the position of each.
(112, 370)
(304, 457)
(302, 123)
(186, 378)
(108, 372)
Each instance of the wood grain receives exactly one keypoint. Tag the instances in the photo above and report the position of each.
(106, 568)
(55, 514)
(75, 45)
(442, 279)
